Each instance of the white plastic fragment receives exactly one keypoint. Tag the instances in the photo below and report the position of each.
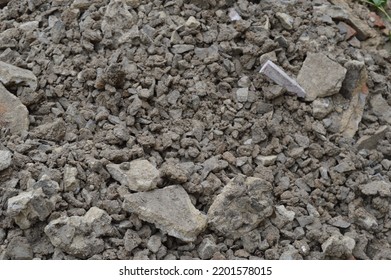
(277, 75)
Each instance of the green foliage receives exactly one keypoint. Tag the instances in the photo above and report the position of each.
(379, 4)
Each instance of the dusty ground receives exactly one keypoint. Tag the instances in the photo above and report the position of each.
(134, 129)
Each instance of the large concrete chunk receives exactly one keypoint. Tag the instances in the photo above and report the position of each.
(12, 75)
(277, 75)
(241, 206)
(80, 236)
(320, 76)
(170, 209)
(13, 114)
(138, 175)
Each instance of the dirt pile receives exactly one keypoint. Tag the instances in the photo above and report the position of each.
(135, 129)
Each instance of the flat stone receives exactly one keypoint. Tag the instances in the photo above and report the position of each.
(242, 95)
(346, 30)
(207, 248)
(169, 209)
(266, 160)
(250, 202)
(380, 108)
(12, 75)
(71, 183)
(131, 240)
(19, 249)
(339, 222)
(179, 49)
(53, 131)
(320, 76)
(5, 159)
(277, 75)
(137, 175)
(370, 142)
(377, 188)
(344, 166)
(13, 114)
(338, 246)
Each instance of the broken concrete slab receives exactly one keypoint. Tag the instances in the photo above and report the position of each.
(12, 75)
(13, 114)
(169, 209)
(137, 175)
(277, 75)
(370, 142)
(320, 76)
(241, 206)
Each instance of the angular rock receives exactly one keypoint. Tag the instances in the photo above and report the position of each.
(277, 75)
(242, 95)
(320, 76)
(71, 183)
(19, 249)
(376, 188)
(13, 114)
(241, 206)
(345, 166)
(338, 246)
(192, 23)
(53, 131)
(131, 240)
(381, 108)
(266, 160)
(321, 107)
(12, 75)
(30, 206)
(370, 142)
(286, 20)
(207, 248)
(79, 236)
(5, 159)
(137, 175)
(251, 240)
(154, 243)
(179, 49)
(339, 222)
(170, 209)
(364, 219)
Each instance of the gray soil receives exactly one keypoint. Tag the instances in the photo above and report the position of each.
(135, 129)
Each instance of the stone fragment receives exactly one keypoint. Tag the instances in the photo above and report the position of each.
(354, 42)
(170, 209)
(344, 166)
(376, 188)
(339, 222)
(13, 114)
(233, 14)
(19, 249)
(380, 108)
(12, 75)
(251, 241)
(321, 107)
(137, 175)
(81, 4)
(80, 236)
(277, 75)
(266, 160)
(5, 159)
(192, 23)
(131, 240)
(250, 202)
(364, 219)
(53, 131)
(346, 30)
(268, 56)
(286, 214)
(207, 249)
(338, 246)
(291, 253)
(320, 76)
(182, 48)
(370, 142)
(286, 20)
(30, 206)
(154, 243)
(71, 183)
(242, 95)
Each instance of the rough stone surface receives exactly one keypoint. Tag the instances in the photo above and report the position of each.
(378, 188)
(12, 75)
(138, 175)
(5, 159)
(320, 76)
(169, 209)
(338, 246)
(370, 142)
(250, 202)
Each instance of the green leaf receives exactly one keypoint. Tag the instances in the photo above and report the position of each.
(379, 3)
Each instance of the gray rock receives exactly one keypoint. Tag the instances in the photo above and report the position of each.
(170, 209)
(286, 20)
(242, 95)
(250, 202)
(137, 175)
(5, 159)
(13, 114)
(179, 49)
(364, 219)
(54, 131)
(355, 75)
(79, 236)
(321, 107)
(154, 243)
(19, 249)
(131, 240)
(11, 75)
(339, 222)
(345, 166)
(266, 160)
(370, 142)
(291, 253)
(286, 214)
(320, 76)
(192, 23)
(338, 246)
(30, 206)
(376, 188)
(207, 248)
(381, 108)
(71, 183)
(251, 241)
